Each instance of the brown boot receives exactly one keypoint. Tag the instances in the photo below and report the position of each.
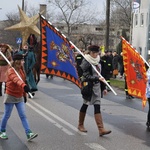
(81, 122)
(99, 122)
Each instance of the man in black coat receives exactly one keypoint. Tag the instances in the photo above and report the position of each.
(106, 64)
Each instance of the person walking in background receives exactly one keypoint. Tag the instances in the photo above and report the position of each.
(29, 58)
(121, 66)
(110, 55)
(106, 68)
(148, 95)
(15, 95)
(115, 64)
(92, 94)
(5, 49)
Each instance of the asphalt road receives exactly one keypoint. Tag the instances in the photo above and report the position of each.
(53, 114)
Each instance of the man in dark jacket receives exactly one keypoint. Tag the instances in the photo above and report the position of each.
(106, 64)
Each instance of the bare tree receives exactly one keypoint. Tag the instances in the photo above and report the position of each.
(72, 12)
(121, 12)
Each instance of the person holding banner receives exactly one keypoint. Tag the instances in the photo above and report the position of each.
(16, 90)
(5, 49)
(148, 95)
(91, 91)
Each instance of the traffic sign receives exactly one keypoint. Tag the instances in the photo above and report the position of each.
(18, 40)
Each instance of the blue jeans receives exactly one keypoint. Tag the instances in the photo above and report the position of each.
(21, 111)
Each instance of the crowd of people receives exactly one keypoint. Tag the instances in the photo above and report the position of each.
(19, 74)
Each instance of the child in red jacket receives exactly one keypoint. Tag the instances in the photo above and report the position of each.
(16, 90)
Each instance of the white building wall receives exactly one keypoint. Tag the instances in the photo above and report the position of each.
(140, 30)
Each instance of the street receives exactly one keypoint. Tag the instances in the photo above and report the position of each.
(53, 114)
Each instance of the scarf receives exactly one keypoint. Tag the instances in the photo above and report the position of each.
(91, 60)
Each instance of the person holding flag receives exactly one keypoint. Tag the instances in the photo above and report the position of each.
(91, 91)
(16, 90)
(148, 96)
(135, 71)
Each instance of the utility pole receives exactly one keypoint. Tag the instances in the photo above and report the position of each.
(23, 5)
(107, 24)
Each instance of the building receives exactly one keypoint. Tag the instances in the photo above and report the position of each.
(87, 34)
(141, 29)
(82, 35)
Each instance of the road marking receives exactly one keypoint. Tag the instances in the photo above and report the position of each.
(95, 146)
(51, 120)
(57, 117)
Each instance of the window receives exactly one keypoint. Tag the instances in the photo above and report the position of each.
(99, 29)
(112, 29)
(60, 27)
(142, 19)
(74, 28)
(147, 20)
(140, 50)
(136, 19)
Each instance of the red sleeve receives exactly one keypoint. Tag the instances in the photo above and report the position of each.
(14, 78)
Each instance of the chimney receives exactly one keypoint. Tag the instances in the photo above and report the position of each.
(43, 7)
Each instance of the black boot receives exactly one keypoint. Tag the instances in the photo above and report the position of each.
(148, 125)
(0, 88)
(129, 96)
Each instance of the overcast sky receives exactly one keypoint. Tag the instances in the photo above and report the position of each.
(12, 6)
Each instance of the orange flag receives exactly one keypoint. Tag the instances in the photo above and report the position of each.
(135, 72)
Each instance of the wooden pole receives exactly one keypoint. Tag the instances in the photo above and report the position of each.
(107, 24)
(23, 5)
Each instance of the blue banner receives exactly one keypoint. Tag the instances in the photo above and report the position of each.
(57, 56)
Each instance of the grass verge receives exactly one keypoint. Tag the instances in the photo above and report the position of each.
(117, 83)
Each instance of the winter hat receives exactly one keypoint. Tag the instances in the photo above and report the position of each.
(94, 48)
(18, 57)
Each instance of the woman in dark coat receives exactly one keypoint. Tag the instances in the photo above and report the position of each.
(93, 96)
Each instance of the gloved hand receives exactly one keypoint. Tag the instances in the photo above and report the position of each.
(26, 89)
(25, 99)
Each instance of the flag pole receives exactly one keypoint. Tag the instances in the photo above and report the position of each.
(94, 69)
(14, 70)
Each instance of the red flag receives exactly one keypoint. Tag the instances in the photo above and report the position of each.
(135, 71)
